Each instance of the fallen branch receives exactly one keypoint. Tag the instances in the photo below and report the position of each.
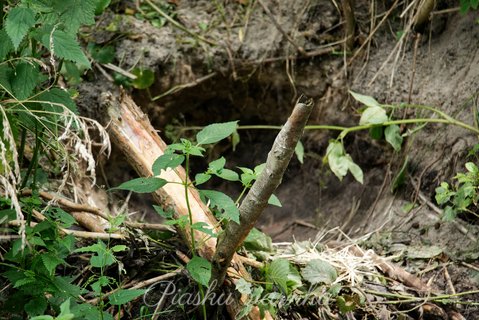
(257, 198)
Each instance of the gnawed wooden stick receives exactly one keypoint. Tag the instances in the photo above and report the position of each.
(257, 198)
(134, 135)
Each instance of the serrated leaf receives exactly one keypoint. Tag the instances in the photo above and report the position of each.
(319, 271)
(25, 79)
(373, 115)
(123, 296)
(277, 272)
(299, 151)
(51, 261)
(6, 73)
(366, 100)
(6, 45)
(201, 178)
(165, 161)
(60, 97)
(392, 134)
(216, 132)
(274, 201)
(222, 202)
(200, 270)
(75, 13)
(17, 23)
(142, 185)
(64, 46)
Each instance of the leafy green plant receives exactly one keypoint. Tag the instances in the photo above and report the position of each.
(463, 196)
(223, 206)
(468, 5)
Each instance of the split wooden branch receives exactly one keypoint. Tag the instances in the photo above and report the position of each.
(257, 198)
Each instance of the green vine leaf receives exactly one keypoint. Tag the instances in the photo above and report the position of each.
(222, 202)
(123, 296)
(340, 162)
(373, 115)
(392, 134)
(200, 270)
(366, 100)
(142, 185)
(299, 151)
(19, 20)
(216, 132)
(75, 13)
(165, 161)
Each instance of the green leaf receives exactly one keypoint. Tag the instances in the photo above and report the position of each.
(376, 132)
(346, 304)
(75, 13)
(19, 20)
(277, 272)
(25, 80)
(217, 164)
(216, 132)
(119, 248)
(228, 174)
(6, 45)
(201, 226)
(243, 286)
(222, 202)
(471, 167)
(101, 5)
(201, 178)
(65, 46)
(319, 271)
(274, 201)
(392, 134)
(101, 54)
(449, 214)
(299, 151)
(373, 115)
(61, 98)
(366, 100)
(51, 261)
(142, 185)
(355, 170)
(6, 73)
(258, 241)
(165, 161)
(123, 296)
(144, 78)
(200, 270)
(341, 162)
(36, 306)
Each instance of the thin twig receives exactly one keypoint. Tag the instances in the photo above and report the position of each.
(278, 26)
(178, 25)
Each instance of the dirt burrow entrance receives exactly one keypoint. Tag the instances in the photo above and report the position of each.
(229, 82)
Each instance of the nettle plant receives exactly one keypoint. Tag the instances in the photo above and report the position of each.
(461, 197)
(224, 208)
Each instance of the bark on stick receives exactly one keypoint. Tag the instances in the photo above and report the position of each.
(257, 198)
